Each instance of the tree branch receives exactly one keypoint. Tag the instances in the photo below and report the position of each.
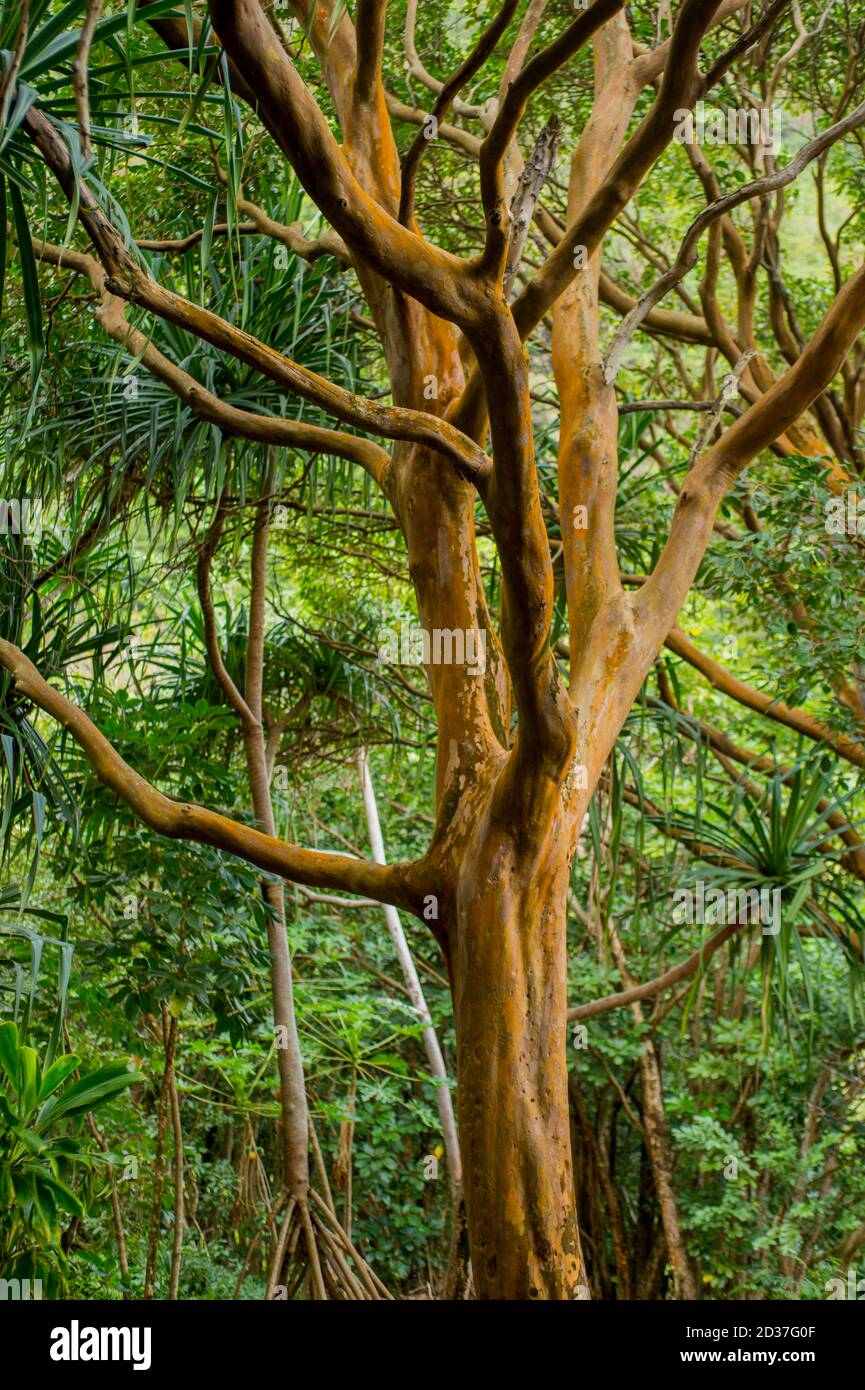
(182, 820)
(687, 254)
(660, 983)
(369, 36)
(80, 75)
(264, 429)
(455, 83)
(682, 84)
(128, 280)
(791, 716)
(510, 113)
(241, 707)
(437, 279)
(660, 599)
(417, 69)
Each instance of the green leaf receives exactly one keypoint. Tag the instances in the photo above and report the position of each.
(88, 1092)
(31, 1140)
(3, 245)
(28, 1062)
(64, 1196)
(56, 1075)
(9, 1052)
(30, 281)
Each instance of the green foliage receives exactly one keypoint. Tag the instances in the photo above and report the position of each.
(40, 1152)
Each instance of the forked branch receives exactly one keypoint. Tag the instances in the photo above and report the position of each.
(130, 281)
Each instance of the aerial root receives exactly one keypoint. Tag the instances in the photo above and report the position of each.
(314, 1258)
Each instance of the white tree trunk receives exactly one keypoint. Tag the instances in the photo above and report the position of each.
(413, 984)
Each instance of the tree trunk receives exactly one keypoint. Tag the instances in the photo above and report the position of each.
(658, 1145)
(409, 971)
(508, 968)
(292, 1085)
(179, 1199)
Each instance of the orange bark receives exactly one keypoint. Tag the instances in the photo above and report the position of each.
(507, 952)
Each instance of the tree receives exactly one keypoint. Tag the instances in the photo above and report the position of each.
(521, 747)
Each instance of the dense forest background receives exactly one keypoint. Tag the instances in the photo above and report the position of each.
(739, 767)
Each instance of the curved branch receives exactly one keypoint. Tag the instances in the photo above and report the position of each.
(660, 983)
(439, 280)
(183, 820)
(128, 280)
(415, 115)
(289, 234)
(80, 84)
(687, 255)
(241, 707)
(178, 246)
(243, 424)
(662, 596)
(682, 84)
(417, 69)
(791, 716)
(445, 99)
(746, 40)
(388, 421)
(510, 113)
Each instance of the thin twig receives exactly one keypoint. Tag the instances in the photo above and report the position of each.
(80, 84)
